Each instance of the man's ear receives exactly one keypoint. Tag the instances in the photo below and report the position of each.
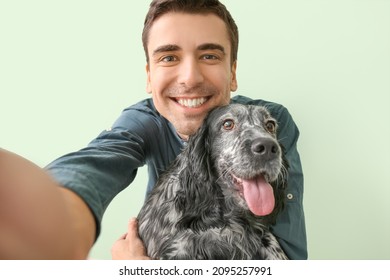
(148, 84)
(233, 78)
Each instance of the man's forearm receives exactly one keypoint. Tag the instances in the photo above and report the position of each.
(39, 219)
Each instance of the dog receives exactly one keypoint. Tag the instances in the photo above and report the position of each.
(218, 198)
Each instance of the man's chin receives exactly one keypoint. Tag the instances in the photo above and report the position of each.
(187, 129)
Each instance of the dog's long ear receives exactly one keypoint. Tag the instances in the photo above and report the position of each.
(279, 186)
(198, 195)
(199, 155)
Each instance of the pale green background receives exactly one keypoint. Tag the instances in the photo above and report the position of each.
(68, 68)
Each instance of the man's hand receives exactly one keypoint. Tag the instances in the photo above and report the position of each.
(38, 218)
(129, 246)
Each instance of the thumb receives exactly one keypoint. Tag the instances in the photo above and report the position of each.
(132, 229)
(136, 247)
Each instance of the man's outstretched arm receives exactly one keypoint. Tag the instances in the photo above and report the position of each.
(38, 218)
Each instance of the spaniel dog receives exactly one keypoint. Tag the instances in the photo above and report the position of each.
(218, 198)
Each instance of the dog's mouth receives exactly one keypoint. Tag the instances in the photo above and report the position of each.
(257, 193)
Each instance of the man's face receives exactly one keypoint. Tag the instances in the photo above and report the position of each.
(189, 71)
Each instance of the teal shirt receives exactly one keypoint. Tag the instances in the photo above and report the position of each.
(141, 136)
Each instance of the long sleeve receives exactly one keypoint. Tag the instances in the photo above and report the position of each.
(290, 226)
(110, 162)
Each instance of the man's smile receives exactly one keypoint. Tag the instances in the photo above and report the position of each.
(191, 102)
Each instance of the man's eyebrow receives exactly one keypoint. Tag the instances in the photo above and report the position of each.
(211, 46)
(166, 48)
(203, 47)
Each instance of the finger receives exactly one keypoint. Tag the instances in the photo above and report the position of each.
(132, 229)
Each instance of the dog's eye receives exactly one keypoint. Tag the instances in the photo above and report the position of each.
(271, 126)
(228, 124)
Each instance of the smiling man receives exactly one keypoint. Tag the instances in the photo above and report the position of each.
(190, 69)
(191, 52)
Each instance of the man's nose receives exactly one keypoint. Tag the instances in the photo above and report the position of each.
(190, 73)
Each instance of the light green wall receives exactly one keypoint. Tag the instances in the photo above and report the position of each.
(68, 68)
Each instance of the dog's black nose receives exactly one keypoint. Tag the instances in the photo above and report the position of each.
(265, 147)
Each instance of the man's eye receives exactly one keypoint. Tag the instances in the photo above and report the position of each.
(168, 58)
(209, 57)
(228, 124)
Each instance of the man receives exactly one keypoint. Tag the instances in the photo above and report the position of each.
(191, 50)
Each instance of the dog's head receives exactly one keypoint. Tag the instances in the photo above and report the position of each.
(245, 157)
(234, 157)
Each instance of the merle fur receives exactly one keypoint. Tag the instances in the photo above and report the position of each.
(195, 212)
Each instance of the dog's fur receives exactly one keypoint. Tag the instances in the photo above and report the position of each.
(197, 209)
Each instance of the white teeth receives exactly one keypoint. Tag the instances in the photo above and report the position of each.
(191, 103)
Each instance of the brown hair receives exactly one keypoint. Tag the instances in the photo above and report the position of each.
(160, 7)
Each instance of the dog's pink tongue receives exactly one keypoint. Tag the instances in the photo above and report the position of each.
(259, 196)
